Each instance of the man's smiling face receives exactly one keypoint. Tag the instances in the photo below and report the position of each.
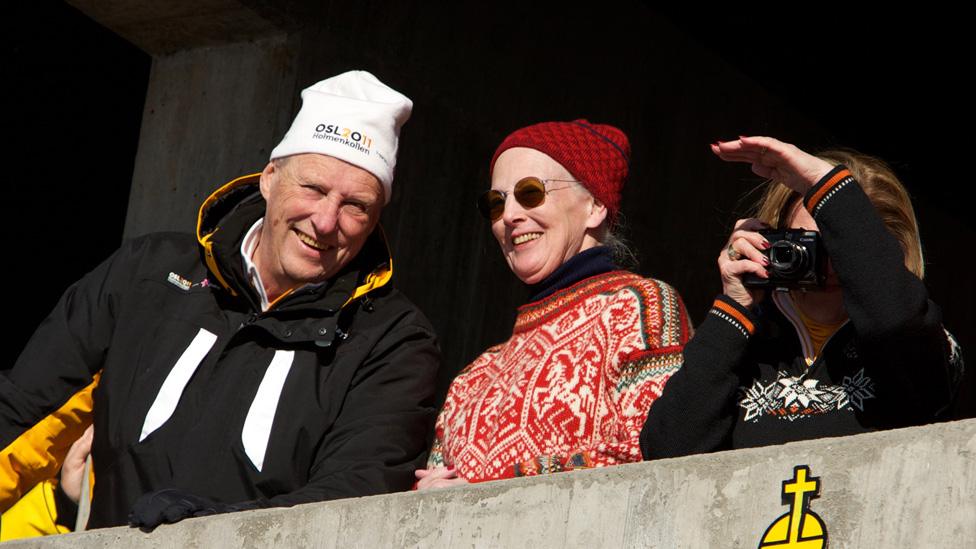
(320, 212)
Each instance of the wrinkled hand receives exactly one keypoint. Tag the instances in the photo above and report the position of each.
(73, 468)
(438, 477)
(169, 506)
(747, 243)
(773, 159)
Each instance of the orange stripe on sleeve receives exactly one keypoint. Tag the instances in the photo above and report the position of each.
(734, 313)
(826, 188)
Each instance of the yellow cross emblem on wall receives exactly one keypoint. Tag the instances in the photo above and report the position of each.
(800, 528)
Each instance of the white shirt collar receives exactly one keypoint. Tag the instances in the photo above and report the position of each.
(248, 246)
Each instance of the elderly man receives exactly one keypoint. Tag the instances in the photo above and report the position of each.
(268, 362)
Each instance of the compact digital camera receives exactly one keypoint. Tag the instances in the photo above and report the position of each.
(797, 259)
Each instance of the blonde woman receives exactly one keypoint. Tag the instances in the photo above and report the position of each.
(864, 351)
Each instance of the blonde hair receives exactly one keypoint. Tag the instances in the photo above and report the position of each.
(882, 188)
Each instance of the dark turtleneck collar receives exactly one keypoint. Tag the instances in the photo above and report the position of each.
(589, 262)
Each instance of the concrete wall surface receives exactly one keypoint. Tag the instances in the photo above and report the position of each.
(165, 27)
(208, 118)
(911, 487)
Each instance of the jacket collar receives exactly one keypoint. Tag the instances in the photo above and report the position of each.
(784, 334)
(222, 222)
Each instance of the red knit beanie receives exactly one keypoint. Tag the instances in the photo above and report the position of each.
(598, 155)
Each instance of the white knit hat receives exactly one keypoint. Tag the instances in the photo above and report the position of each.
(352, 117)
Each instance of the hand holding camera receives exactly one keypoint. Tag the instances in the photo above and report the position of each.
(744, 255)
(756, 256)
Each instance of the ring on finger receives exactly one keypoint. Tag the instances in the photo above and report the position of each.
(733, 254)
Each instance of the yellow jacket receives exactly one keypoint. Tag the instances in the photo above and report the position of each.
(34, 515)
(29, 467)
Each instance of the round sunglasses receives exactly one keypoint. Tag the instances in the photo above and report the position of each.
(529, 192)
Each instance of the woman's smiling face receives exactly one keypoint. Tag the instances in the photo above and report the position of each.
(536, 241)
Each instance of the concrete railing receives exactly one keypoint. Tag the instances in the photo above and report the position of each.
(897, 489)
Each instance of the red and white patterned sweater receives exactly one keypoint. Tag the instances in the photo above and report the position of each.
(572, 386)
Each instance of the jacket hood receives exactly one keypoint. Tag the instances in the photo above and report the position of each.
(227, 214)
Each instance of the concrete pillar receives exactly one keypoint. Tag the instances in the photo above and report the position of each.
(211, 114)
(221, 94)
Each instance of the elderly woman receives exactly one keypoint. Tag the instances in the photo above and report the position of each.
(591, 350)
(864, 350)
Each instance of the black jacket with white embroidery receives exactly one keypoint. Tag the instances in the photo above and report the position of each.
(745, 381)
(328, 394)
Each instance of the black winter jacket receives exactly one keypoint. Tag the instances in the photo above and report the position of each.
(328, 394)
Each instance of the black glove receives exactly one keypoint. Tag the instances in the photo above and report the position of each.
(169, 506)
(67, 510)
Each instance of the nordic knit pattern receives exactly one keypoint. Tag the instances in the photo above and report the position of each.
(572, 386)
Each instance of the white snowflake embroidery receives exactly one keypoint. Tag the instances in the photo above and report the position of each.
(956, 363)
(757, 400)
(794, 389)
(793, 397)
(856, 389)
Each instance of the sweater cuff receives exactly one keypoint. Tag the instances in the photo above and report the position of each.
(825, 189)
(741, 318)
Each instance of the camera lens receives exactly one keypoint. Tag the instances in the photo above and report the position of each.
(787, 258)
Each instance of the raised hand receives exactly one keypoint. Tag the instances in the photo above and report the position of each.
(776, 160)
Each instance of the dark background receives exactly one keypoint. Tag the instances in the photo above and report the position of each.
(888, 84)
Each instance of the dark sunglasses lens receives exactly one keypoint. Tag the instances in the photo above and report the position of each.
(492, 205)
(530, 192)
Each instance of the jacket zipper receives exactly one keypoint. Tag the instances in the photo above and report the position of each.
(249, 320)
